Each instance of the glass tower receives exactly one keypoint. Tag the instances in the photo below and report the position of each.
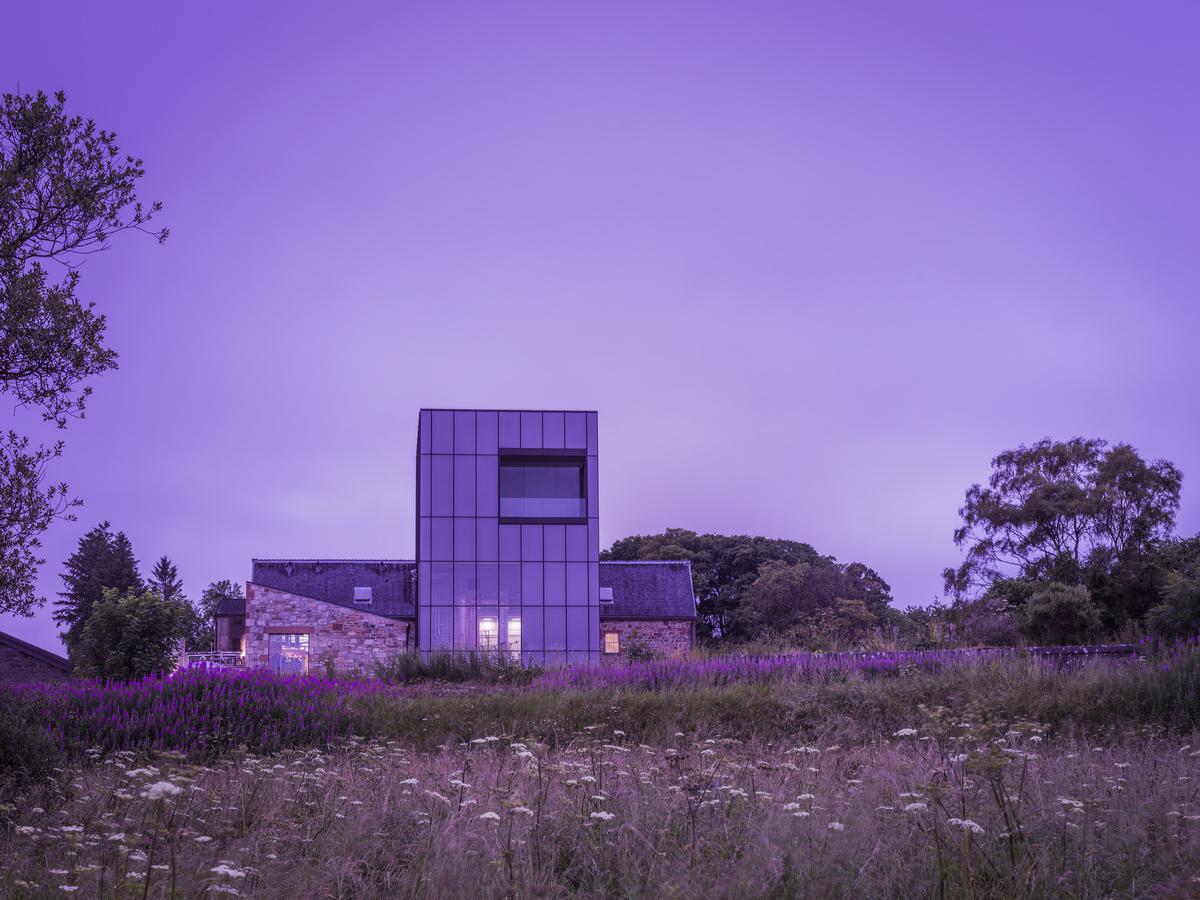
(508, 539)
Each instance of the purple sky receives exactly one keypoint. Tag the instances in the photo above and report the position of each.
(814, 267)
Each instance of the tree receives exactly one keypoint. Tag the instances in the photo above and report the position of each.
(1063, 512)
(164, 579)
(131, 635)
(1177, 615)
(65, 190)
(1060, 614)
(725, 566)
(101, 562)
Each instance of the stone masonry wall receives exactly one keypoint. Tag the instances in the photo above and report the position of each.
(662, 637)
(17, 665)
(350, 640)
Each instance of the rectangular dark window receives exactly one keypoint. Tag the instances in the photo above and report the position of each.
(543, 487)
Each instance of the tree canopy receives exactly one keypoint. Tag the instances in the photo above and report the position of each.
(725, 567)
(103, 561)
(131, 635)
(65, 190)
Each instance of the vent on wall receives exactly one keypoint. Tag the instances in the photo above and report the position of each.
(606, 595)
(362, 595)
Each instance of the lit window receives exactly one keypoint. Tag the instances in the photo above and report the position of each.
(514, 636)
(612, 642)
(489, 632)
(287, 654)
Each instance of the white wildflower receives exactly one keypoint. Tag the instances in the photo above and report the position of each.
(227, 872)
(905, 732)
(522, 811)
(836, 826)
(491, 816)
(161, 789)
(603, 816)
(966, 825)
(915, 807)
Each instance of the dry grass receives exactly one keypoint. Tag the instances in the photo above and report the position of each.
(958, 809)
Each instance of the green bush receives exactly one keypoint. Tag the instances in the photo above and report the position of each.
(1060, 614)
(27, 754)
(1178, 615)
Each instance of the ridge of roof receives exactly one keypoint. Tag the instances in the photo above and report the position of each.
(35, 651)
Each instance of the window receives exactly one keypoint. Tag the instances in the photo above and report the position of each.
(542, 487)
(488, 633)
(612, 642)
(362, 595)
(514, 636)
(606, 595)
(287, 654)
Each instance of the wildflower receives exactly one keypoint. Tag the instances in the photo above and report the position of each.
(807, 797)
(522, 811)
(905, 732)
(161, 789)
(228, 872)
(836, 826)
(802, 814)
(603, 816)
(410, 781)
(788, 807)
(915, 807)
(69, 888)
(966, 825)
(491, 816)
(224, 889)
(202, 839)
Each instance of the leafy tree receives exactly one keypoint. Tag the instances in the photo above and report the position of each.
(725, 566)
(131, 635)
(164, 579)
(1073, 512)
(102, 561)
(204, 636)
(1061, 614)
(65, 190)
(1177, 615)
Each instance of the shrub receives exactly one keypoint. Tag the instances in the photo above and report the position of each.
(1060, 614)
(1178, 615)
(27, 753)
(131, 636)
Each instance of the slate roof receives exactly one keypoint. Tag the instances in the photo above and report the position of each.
(648, 590)
(45, 656)
(392, 582)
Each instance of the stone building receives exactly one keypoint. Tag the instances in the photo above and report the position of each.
(507, 560)
(22, 661)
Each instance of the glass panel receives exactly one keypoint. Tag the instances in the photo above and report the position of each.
(425, 550)
(465, 585)
(592, 432)
(510, 542)
(441, 628)
(554, 583)
(512, 635)
(612, 642)
(425, 426)
(486, 434)
(423, 626)
(443, 431)
(593, 539)
(556, 628)
(510, 429)
(464, 431)
(287, 654)
(510, 583)
(423, 583)
(553, 430)
(464, 628)
(443, 485)
(577, 584)
(489, 633)
(577, 542)
(542, 488)
(554, 539)
(442, 545)
(593, 488)
(531, 542)
(531, 628)
(487, 485)
(489, 589)
(576, 431)
(531, 430)
(531, 583)
(577, 628)
(441, 584)
(464, 538)
(594, 584)
(426, 484)
(464, 485)
(487, 532)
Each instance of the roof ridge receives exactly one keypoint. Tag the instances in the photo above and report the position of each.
(330, 559)
(645, 562)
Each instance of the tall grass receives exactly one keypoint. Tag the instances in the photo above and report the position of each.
(454, 668)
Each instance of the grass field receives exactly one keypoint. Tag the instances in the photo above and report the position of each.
(996, 779)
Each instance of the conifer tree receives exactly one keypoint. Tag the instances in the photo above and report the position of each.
(103, 560)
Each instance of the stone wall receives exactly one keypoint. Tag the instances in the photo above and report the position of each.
(350, 640)
(661, 636)
(18, 665)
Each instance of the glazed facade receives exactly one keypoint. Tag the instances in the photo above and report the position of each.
(508, 538)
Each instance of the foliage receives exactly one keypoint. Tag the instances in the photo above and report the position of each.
(203, 633)
(164, 580)
(102, 561)
(197, 712)
(1060, 614)
(27, 754)
(1063, 511)
(65, 189)
(1178, 614)
(725, 566)
(131, 635)
(444, 665)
